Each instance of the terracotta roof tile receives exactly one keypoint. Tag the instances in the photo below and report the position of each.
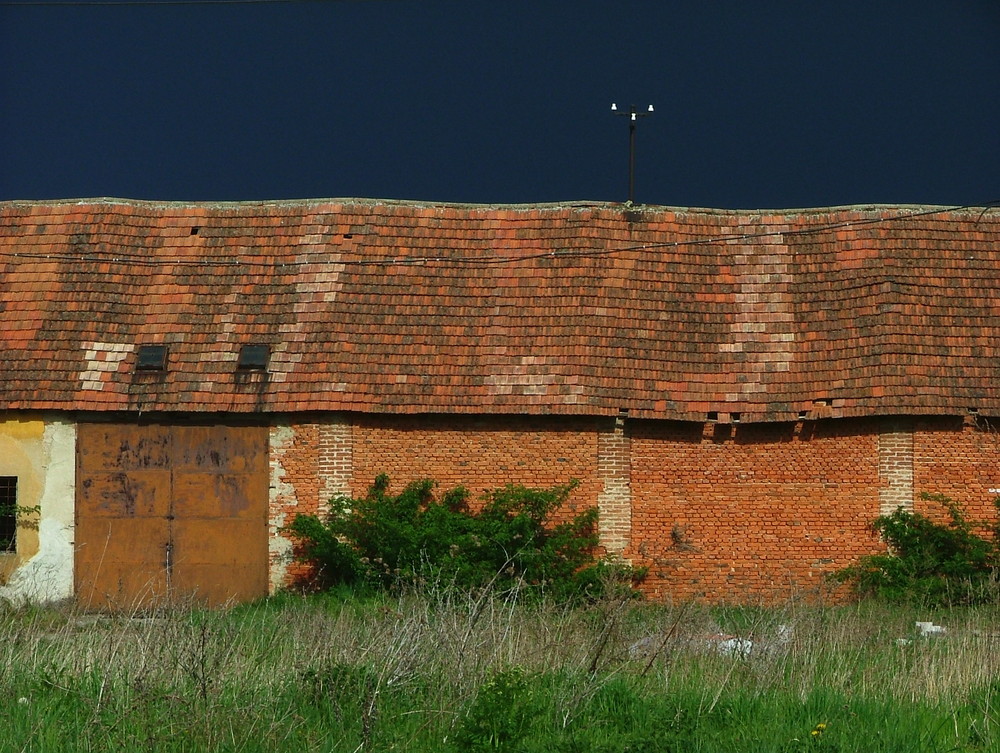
(379, 306)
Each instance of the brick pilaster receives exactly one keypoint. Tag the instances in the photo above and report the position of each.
(335, 461)
(614, 467)
(895, 465)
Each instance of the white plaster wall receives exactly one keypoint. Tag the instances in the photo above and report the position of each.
(281, 496)
(48, 575)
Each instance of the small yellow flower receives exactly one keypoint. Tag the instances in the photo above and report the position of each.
(818, 730)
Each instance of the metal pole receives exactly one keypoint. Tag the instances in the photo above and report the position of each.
(631, 156)
(633, 116)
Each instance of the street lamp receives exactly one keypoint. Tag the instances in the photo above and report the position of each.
(633, 115)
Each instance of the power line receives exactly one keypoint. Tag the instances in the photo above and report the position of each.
(113, 257)
(111, 3)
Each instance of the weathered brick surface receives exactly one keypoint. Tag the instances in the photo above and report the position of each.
(895, 465)
(750, 511)
(614, 467)
(335, 463)
(960, 459)
(312, 462)
(295, 486)
(480, 453)
(718, 511)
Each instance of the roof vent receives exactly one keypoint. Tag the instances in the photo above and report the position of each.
(253, 358)
(151, 358)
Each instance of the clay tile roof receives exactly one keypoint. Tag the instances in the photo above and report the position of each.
(578, 308)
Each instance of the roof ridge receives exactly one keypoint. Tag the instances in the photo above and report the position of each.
(526, 206)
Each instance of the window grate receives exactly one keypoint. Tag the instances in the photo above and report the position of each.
(8, 513)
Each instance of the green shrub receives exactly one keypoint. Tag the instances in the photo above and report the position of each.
(388, 541)
(936, 564)
(501, 715)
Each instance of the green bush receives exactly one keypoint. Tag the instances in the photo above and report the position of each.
(390, 541)
(501, 715)
(936, 564)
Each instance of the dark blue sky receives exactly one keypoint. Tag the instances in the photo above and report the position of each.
(758, 104)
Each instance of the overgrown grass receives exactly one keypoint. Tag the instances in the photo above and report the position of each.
(448, 672)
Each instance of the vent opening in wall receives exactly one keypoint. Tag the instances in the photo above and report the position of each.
(152, 358)
(253, 358)
(8, 513)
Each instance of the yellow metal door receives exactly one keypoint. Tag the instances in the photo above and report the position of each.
(170, 512)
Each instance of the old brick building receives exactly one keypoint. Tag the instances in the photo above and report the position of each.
(740, 393)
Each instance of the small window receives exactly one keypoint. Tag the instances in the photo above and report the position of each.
(253, 358)
(8, 513)
(152, 358)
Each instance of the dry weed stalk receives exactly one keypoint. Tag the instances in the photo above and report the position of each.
(454, 643)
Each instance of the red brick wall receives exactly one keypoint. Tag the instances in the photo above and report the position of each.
(754, 511)
(480, 453)
(727, 512)
(959, 459)
(314, 460)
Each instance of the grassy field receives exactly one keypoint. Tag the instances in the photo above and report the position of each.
(455, 674)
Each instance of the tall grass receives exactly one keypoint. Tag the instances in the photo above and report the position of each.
(455, 672)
